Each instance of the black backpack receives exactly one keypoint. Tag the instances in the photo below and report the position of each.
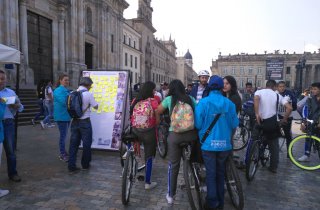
(74, 104)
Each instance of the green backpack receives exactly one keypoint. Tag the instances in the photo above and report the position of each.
(182, 117)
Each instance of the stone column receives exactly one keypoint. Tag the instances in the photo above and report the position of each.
(81, 31)
(23, 30)
(61, 34)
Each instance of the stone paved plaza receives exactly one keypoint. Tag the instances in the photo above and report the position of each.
(46, 183)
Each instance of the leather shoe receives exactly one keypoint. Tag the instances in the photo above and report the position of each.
(15, 178)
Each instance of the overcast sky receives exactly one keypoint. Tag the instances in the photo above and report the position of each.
(207, 27)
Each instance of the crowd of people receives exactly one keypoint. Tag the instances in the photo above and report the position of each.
(191, 111)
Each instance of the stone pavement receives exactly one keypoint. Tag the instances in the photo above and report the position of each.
(46, 183)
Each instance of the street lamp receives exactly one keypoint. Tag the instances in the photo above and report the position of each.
(300, 66)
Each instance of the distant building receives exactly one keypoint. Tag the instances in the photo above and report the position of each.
(257, 68)
(185, 72)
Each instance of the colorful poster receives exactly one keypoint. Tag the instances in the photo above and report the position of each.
(110, 90)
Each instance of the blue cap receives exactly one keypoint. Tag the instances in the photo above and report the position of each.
(215, 82)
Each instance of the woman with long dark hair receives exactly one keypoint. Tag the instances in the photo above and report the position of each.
(143, 120)
(60, 113)
(177, 95)
(230, 90)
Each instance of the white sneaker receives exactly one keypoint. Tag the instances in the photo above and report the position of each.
(150, 186)
(3, 192)
(125, 155)
(169, 199)
(43, 126)
(50, 126)
(304, 158)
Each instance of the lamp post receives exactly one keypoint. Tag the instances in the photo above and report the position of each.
(300, 66)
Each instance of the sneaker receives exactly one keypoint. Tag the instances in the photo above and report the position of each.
(169, 199)
(43, 126)
(304, 158)
(32, 122)
(124, 156)
(74, 170)
(50, 126)
(64, 158)
(15, 178)
(150, 186)
(3, 192)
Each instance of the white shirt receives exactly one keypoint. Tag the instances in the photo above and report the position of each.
(200, 93)
(48, 91)
(267, 104)
(87, 101)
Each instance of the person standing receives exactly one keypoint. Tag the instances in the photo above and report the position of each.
(163, 90)
(2, 110)
(40, 94)
(177, 95)
(81, 129)
(60, 113)
(201, 90)
(143, 107)
(266, 102)
(248, 94)
(230, 90)
(217, 146)
(48, 106)
(9, 127)
(286, 125)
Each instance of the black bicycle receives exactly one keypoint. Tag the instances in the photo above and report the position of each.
(195, 180)
(130, 168)
(257, 151)
(242, 133)
(162, 135)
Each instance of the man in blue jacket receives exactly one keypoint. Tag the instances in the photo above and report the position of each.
(217, 146)
(201, 90)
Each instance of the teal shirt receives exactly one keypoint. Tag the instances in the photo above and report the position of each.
(60, 112)
(166, 103)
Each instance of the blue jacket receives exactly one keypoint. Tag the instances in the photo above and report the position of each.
(194, 91)
(219, 138)
(60, 112)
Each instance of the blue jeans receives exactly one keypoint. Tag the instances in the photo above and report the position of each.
(41, 106)
(63, 129)
(80, 130)
(215, 168)
(48, 107)
(8, 145)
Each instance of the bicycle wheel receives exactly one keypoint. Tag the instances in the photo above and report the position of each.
(234, 185)
(253, 161)
(162, 140)
(240, 138)
(296, 150)
(265, 155)
(192, 185)
(127, 177)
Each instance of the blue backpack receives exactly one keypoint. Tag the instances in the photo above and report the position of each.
(74, 104)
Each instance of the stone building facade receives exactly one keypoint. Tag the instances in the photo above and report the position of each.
(253, 68)
(63, 36)
(131, 52)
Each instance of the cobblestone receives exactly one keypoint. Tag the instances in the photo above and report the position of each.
(46, 183)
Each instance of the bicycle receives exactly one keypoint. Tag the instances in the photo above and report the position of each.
(195, 175)
(130, 168)
(297, 146)
(162, 135)
(242, 133)
(257, 151)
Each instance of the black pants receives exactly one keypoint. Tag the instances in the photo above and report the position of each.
(287, 130)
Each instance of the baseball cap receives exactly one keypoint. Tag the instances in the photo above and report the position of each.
(215, 82)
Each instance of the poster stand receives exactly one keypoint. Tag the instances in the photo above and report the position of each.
(111, 91)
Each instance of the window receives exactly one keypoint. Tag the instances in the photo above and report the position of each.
(112, 43)
(124, 39)
(129, 41)
(89, 20)
(250, 71)
(259, 70)
(225, 71)
(288, 83)
(126, 59)
(259, 83)
(134, 44)
(135, 62)
(136, 77)
(153, 77)
(288, 72)
(131, 60)
(233, 70)
(250, 80)
(241, 70)
(241, 83)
